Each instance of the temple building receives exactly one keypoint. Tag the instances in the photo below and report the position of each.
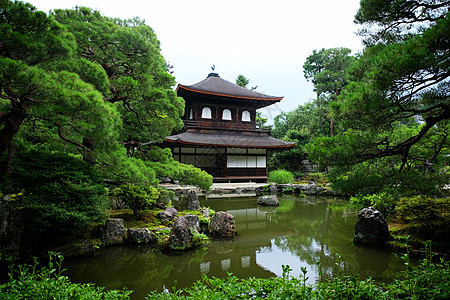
(220, 135)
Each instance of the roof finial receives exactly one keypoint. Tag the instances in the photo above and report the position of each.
(213, 67)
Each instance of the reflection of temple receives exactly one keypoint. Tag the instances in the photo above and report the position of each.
(240, 255)
(220, 134)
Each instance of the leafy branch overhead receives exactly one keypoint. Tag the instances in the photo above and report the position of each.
(395, 83)
(78, 82)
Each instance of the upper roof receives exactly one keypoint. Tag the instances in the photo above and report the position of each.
(214, 85)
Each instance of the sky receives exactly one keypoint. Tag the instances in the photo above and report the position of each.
(266, 41)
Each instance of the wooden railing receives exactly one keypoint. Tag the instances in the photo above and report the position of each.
(224, 126)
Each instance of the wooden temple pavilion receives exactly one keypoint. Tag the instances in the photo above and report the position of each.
(220, 135)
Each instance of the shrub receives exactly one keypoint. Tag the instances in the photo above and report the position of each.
(137, 197)
(281, 176)
(33, 283)
(428, 212)
(59, 193)
(384, 202)
(298, 174)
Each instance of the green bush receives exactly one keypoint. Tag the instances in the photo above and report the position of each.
(384, 202)
(428, 212)
(281, 176)
(33, 283)
(137, 197)
(58, 193)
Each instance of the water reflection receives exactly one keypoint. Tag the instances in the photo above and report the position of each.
(300, 232)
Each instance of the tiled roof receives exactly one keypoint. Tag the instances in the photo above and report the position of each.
(229, 139)
(215, 85)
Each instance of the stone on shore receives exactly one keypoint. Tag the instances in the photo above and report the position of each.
(140, 236)
(192, 202)
(194, 222)
(181, 235)
(168, 214)
(115, 232)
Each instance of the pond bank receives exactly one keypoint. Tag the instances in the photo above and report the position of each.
(249, 189)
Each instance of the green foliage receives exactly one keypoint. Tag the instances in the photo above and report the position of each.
(390, 21)
(137, 197)
(36, 283)
(426, 281)
(393, 115)
(162, 163)
(280, 176)
(383, 201)
(412, 284)
(162, 236)
(60, 193)
(243, 81)
(138, 83)
(430, 213)
(198, 238)
(326, 69)
(81, 83)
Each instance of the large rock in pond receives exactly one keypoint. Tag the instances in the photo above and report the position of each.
(371, 228)
(140, 236)
(192, 202)
(181, 233)
(168, 214)
(115, 232)
(222, 225)
(268, 200)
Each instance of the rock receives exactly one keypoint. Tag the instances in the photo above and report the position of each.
(140, 236)
(115, 231)
(194, 222)
(192, 202)
(180, 235)
(83, 248)
(222, 225)
(168, 214)
(205, 212)
(267, 189)
(11, 229)
(371, 228)
(273, 189)
(260, 190)
(311, 189)
(268, 200)
(160, 205)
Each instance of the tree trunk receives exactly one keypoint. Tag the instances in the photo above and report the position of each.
(11, 127)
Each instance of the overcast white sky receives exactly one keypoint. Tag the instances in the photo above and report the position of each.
(266, 41)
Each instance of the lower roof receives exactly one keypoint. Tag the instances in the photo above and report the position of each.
(228, 139)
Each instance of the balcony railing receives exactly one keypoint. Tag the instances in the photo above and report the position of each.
(190, 124)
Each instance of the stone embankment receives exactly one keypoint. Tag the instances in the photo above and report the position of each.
(231, 190)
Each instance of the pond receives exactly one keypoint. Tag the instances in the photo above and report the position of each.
(299, 233)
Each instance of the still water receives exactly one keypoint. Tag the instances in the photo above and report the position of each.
(299, 233)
